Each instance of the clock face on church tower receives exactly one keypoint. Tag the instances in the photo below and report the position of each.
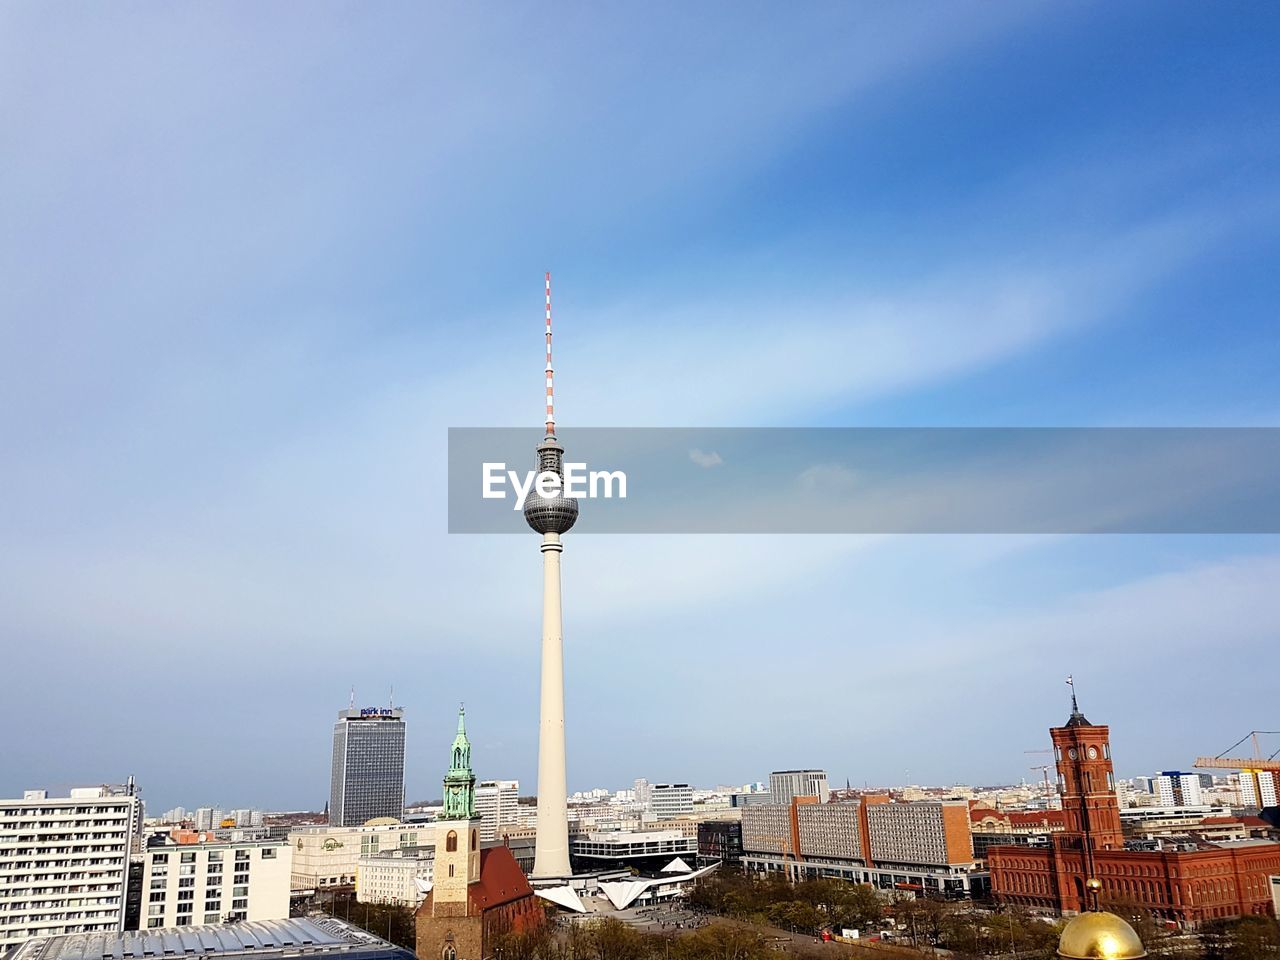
(1072, 753)
(1093, 753)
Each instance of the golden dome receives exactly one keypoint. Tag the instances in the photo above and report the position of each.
(1099, 936)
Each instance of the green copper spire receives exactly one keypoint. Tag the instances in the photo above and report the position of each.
(460, 782)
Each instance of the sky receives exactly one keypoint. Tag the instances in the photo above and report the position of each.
(257, 259)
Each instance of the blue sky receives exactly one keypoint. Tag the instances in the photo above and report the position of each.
(257, 260)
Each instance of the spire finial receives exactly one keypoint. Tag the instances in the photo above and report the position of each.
(551, 396)
(353, 697)
(1071, 682)
(462, 718)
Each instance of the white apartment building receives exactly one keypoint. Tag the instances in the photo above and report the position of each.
(786, 785)
(1260, 788)
(329, 856)
(1175, 789)
(64, 863)
(497, 805)
(191, 884)
(397, 877)
(667, 800)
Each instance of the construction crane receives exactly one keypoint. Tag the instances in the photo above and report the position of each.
(1255, 771)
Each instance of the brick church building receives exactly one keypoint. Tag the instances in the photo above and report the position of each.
(477, 895)
(1228, 879)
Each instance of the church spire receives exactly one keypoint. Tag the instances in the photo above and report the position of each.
(460, 781)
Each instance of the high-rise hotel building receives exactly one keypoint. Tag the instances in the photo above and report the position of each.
(368, 766)
(64, 863)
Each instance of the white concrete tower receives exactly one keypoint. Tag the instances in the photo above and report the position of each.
(551, 516)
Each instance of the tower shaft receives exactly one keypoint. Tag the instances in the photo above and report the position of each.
(551, 849)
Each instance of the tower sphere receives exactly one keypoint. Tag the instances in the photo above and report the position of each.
(1099, 936)
(550, 514)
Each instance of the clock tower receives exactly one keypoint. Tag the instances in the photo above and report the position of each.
(1082, 751)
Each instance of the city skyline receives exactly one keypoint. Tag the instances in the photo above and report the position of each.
(246, 304)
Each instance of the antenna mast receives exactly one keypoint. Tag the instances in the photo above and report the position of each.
(551, 396)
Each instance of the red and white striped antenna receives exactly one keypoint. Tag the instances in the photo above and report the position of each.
(551, 396)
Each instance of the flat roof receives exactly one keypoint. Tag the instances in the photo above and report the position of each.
(297, 936)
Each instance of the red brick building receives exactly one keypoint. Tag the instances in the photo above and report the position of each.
(1226, 879)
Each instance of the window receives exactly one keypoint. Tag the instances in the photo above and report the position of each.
(211, 916)
(215, 868)
(155, 922)
(215, 881)
(189, 857)
(157, 896)
(215, 856)
(474, 838)
(155, 910)
(159, 858)
(451, 842)
(268, 853)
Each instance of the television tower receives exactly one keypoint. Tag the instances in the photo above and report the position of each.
(551, 516)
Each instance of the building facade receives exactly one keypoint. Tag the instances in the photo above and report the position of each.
(922, 847)
(1176, 789)
(667, 800)
(64, 863)
(367, 778)
(720, 841)
(497, 804)
(329, 856)
(190, 884)
(786, 785)
(1214, 879)
(400, 877)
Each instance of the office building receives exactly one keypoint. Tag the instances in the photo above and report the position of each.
(720, 841)
(923, 846)
(191, 884)
(367, 781)
(326, 857)
(786, 785)
(325, 937)
(1260, 788)
(497, 803)
(64, 863)
(400, 877)
(1176, 789)
(667, 800)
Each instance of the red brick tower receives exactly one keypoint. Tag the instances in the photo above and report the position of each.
(1082, 751)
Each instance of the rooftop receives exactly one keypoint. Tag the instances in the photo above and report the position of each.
(296, 937)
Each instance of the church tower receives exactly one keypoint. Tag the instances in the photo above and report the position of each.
(457, 861)
(1082, 751)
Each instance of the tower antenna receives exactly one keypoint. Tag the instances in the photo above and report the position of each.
(551, 395)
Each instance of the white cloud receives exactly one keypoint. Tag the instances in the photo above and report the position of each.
(705, 460)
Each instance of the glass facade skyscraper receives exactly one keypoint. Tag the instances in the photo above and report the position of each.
(368, 766)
